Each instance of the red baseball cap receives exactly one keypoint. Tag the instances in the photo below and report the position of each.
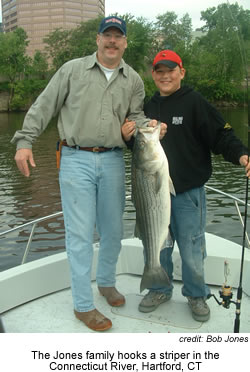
(168, 58)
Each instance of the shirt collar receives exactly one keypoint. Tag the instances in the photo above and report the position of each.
(94, 61)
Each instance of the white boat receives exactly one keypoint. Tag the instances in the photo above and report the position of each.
(36, 296)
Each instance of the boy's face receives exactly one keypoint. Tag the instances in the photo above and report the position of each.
(168, 80)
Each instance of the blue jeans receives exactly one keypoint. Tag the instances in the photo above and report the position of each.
(93, 194)
(187, 226)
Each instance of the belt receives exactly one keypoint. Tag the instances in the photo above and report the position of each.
(91, 149)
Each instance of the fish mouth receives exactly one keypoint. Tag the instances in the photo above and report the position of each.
(148, 129)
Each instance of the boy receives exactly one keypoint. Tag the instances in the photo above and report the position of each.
(194, 130)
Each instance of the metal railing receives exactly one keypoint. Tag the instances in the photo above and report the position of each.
(236, 201)
(34, 223)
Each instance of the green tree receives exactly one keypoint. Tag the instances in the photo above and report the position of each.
(58, 47)
(83, 38)
(63, 46)
(14, 63)
(39, 65)
(13, 60)
(172, 33)
(222, 55)
(140, 39)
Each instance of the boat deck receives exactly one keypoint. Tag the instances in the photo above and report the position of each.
(36, 296)
(53, 313)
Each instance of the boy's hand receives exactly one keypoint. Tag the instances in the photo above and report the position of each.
(244, 161)
(128, 129)
(163, 130)
(153, 123)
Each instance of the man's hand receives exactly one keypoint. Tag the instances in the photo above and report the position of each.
(244, 161)
(23, 158)
(128, 129)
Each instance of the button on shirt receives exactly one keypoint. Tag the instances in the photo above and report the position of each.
(90, 109)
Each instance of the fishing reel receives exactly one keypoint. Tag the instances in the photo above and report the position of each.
(225, 293)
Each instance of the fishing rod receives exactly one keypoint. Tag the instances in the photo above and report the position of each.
(239, 291)
(226, 291)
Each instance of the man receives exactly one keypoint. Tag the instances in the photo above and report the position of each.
(92, 96)
(195, 128)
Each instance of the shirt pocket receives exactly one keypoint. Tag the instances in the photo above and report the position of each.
(121, 98)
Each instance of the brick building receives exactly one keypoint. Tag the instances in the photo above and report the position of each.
(39, 18)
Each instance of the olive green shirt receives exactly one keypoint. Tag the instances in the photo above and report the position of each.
(90, 109)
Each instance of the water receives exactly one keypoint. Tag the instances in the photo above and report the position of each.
(25, 199)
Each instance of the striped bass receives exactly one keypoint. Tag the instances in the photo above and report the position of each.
(151, 187)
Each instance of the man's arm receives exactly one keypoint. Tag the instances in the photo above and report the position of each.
(46, 106)
(37, 118)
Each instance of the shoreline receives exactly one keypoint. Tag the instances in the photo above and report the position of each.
(5, 96)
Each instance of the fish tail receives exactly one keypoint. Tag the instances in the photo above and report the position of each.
(154, 277)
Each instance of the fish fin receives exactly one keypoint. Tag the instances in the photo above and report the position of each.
(156, 276)
(169, 241)
(171, 186)
(158, 181)
(137, 233)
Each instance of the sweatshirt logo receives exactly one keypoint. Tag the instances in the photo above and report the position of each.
(177, 120)
(227, 126)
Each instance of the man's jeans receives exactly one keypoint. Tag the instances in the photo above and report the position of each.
(93, 194)
(188, 222)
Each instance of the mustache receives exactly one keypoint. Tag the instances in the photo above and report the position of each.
(112, 46)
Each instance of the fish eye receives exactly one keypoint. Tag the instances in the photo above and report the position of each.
(142, 144)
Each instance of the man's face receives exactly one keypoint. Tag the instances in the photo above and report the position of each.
(111, 47)
(168, 80)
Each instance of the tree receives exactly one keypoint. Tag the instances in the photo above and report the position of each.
(140, 39)
(83, 38)
(171, 33)
(221, 53)
(14, 63)
(216, 63)
(58, 47)
(39, 65)
(63, 46)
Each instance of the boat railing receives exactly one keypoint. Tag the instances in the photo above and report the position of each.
(236, 203)
(35, 222)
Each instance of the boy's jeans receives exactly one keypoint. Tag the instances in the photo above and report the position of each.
(188, 222)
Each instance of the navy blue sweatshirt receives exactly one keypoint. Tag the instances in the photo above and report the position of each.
(195, 128)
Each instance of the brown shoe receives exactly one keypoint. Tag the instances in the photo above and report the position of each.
(113, 297)
(94, 320)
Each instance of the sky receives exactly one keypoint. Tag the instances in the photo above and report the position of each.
(149, 10)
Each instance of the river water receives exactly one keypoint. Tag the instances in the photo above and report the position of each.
(25, 199)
